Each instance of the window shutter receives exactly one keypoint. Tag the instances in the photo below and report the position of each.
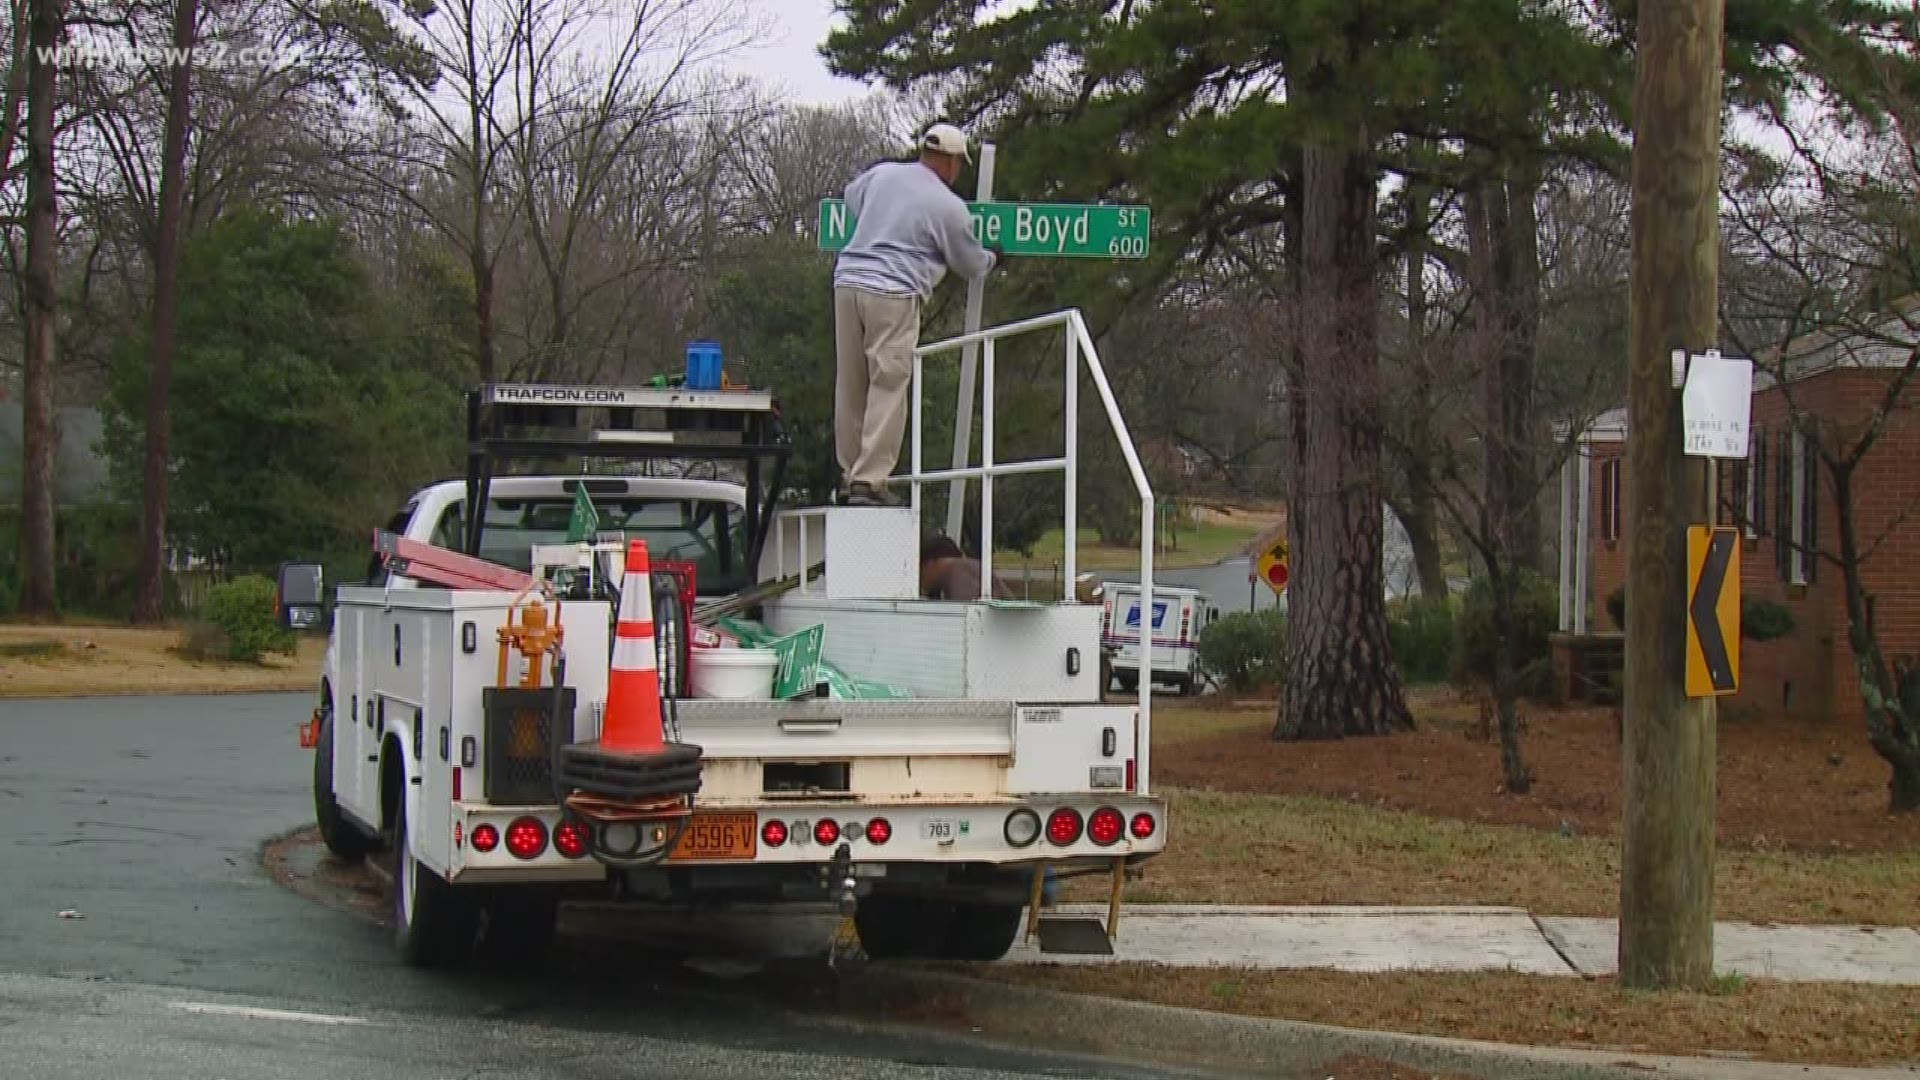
(1811, 508)
(1759, 482)
(1783, 508)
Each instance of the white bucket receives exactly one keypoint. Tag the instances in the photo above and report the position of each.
(736, 674)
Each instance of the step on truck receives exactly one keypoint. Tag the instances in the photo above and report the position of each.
(927, 767)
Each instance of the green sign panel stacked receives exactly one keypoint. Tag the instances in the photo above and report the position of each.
(1060, 230)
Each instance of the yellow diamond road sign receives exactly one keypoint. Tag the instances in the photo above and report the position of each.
(1713, 611)
(1272, 566)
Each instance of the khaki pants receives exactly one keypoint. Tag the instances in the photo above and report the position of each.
(874, 337)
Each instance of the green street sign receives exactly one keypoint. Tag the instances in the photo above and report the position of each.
(1059, 230)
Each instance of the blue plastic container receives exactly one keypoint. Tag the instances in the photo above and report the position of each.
(703, 365)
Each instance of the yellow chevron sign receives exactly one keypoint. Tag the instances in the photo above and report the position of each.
(1713, 611)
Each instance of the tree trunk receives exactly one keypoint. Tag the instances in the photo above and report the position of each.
(1419, 512)
(1503, 234)
(16, 92)
(149, 604)
(1340, 675)
(1506, 690)
(482, 306)
(37, 595)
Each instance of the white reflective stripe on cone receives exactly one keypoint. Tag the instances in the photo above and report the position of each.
(634, 654)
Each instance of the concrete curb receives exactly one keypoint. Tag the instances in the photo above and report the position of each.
(1250, 1046)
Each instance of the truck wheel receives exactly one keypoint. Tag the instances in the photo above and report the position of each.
(900, 927)
(343, 839)
(433, 924)
(519, 927)
(982, 931)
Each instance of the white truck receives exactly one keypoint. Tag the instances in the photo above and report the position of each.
(929, 815)
(1179, 615)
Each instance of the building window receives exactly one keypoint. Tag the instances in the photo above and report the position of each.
(1610, 499)
(1798, 534)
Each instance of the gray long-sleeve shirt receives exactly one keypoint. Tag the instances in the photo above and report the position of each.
(909, 229)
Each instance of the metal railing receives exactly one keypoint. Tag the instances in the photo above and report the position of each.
(1079, 348)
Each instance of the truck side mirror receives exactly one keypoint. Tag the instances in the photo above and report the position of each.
(300, 595)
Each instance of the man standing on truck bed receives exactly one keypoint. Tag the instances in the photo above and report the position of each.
(909, 229)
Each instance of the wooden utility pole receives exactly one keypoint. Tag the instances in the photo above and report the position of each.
(1666, 873)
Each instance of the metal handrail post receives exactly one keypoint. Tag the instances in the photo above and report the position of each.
(986, 463)
(1072, 524)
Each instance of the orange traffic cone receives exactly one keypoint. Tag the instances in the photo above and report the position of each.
(632, 723)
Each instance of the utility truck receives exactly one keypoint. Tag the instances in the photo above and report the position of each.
(921, 764)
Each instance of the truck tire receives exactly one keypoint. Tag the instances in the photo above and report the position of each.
(981, 931)
(433, 923)
(901, 927)
(342, 837)
(518, 927)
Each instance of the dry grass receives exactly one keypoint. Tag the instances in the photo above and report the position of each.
(1273, 849)
(77, 661)
(1829, 1023)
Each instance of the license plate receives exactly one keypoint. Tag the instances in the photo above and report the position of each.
(937, 829)
(719, 836)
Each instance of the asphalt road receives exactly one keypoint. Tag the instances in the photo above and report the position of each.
(145, 817)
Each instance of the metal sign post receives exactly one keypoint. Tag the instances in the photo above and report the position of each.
(969, 367)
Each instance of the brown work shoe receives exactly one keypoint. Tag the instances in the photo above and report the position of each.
(862, 493)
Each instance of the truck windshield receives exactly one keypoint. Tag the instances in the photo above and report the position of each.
(708, 533)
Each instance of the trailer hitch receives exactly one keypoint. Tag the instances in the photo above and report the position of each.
(839, 874)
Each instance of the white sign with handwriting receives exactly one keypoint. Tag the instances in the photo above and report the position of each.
(1717, 406)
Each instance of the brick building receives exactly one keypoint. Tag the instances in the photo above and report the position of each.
(1782, 499)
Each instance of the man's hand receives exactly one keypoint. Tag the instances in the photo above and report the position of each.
(999, 255)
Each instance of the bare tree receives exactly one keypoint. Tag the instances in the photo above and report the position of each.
(37, 596)
(1835, 235)
(149, 604)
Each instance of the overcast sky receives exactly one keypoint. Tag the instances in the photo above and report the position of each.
(794, 61)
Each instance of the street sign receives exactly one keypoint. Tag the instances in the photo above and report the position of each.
(1713, 611)
(1717, 405)
(1273, 566)
(1057, 230)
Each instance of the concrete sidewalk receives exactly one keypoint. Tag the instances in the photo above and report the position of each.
(1469, 939)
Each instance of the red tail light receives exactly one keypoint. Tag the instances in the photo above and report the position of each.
(879, 831)
(773, 833)
(1132, 781)
(826, 831)
(1063, 826)
(526, 837)
(570, 839)
(485, 838)
(1142, 826)
(456, 783)
(1106, 826)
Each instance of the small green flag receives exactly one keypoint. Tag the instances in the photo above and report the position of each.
(585, 521)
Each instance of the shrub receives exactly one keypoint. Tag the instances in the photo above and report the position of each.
(1764, 620)
(1422, 631)
(243, 610)
(1617, 608)
(1245, 650)
(1536, 614)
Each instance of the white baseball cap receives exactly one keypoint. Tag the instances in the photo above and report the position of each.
(946, 139)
